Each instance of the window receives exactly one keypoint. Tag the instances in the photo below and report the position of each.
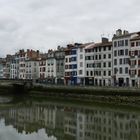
(115, 53)
(115, 70)
(81, 50)
(109, 73)
(109, 55)
(115, 61)
(73, 52)
(109, 64)
(73, 58)
(126, 60)
(81, 56)
(126, 70)
(132, 53)
(80, 72)
(104, 73)
(137, 43)
(133, 72)
(104, 48)
(96, 49)
(104, 56)
(121, 52)
(120, 61)
(81, 64)
(132, 44)
(126, 42)
(126, 51)
(99, 57)
(91, 73)
(133, 62)
(104, 64)
(120, 70)
(96, 57)
(87, 73)
(115, 44)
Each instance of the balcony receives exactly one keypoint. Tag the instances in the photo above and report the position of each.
(132, 75)
(132, 66)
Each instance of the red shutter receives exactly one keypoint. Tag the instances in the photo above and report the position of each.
(136, 52)
(138, 62)
(129, 62)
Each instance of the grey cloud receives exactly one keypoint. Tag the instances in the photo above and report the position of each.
(47, 23)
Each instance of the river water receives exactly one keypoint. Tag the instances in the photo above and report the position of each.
(33, 119)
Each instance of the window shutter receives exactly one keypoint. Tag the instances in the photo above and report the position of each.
(136, 52)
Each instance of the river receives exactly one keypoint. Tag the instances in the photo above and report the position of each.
(40, 119)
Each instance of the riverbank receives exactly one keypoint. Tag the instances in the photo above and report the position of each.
(88, 90)
(88, 94)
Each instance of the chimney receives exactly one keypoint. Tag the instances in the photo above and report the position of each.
(125, 32)
(118, 32)
(104, 40)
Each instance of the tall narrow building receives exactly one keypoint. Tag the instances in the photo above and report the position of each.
(121, 57)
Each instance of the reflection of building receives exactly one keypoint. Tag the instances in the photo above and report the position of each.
(70, 122)
(73, 122)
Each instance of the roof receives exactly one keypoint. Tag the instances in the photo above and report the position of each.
(135, 38)
(76, 45)
(94, 45)
(125, 35)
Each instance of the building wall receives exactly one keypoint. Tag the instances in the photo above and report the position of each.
(81, 65)
(71, 66)
(32, 70)
(98, 63)
(135, 62)
(42, 69)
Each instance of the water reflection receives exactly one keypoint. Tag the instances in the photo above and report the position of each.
(58, 121)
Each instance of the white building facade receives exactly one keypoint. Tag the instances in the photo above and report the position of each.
(121, 58)
(98, 63)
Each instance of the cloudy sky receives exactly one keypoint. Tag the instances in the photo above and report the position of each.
(44, 24)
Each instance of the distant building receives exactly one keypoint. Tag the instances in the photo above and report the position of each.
(25, 56)
(31, 68)
(14, 67)
(42, 69)
(51, 67)
(59, 57)
(2, 68)
(7, 67)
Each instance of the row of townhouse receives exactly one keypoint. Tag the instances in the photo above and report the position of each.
(107, 63)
